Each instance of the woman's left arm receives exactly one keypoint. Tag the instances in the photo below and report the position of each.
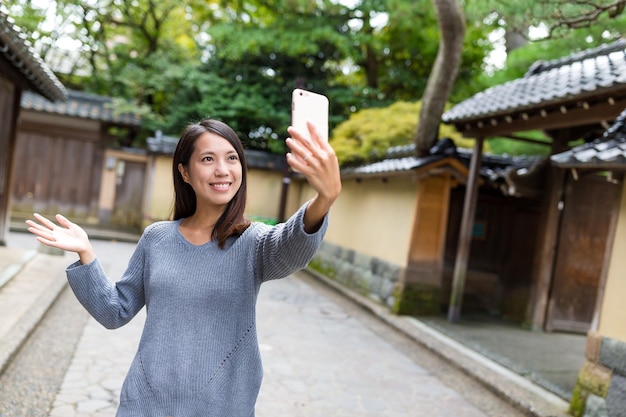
(317, 161)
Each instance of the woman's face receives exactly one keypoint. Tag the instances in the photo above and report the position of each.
(214, 171)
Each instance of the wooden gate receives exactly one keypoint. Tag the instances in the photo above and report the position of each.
(589, 213)
(56, 172)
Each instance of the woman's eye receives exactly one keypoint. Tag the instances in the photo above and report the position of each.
(207, 159)
(233, 158)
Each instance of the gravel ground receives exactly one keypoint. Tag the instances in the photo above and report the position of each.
(30, 383)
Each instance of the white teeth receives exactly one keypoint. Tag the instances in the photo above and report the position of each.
(224, 186)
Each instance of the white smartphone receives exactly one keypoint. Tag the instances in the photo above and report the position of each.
(307, 105)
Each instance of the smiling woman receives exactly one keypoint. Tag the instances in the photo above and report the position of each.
(199, 275)
(209, 176)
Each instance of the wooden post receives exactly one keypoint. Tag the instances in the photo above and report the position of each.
(548, 239)
(465, 234)
(284, 192)
(10, 97)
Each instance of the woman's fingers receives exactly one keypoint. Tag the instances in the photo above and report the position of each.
(314, 134)
(35, 226)
(66, 235)
(304, 152)
(39, 230)
(43, 230)
(63, 221)
(316, 160)
(298, 148)
(44, 221)
(303, 155)
(308, 143)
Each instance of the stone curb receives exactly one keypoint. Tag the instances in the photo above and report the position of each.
(528, 397)
(14, 338)
(12, 269)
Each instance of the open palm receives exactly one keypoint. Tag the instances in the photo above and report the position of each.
(66, 236)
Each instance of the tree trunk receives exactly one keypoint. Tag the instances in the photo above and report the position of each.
(452, 27)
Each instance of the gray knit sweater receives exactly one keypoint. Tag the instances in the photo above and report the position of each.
(198, 355)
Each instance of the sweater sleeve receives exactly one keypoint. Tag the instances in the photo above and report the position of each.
(287, 247)
(111, 304)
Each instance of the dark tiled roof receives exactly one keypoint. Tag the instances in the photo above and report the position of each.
(82, 105)
(607, 152)
(447, 147)
(265, 160)
(507, 161)
(161, 143)
(17, 51)
(166, 145)
(392, 165)
(494, 168)
(575, 76)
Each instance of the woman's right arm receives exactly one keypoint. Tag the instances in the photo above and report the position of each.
(111, 304)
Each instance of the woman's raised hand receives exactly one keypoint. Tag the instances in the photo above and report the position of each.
(66, 236)
(316, 160)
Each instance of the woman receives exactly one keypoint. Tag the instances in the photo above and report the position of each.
(199, 276)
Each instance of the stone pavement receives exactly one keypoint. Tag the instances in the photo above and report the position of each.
(318, 361)
(321, 359)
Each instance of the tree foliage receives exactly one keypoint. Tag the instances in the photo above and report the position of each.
(559, 18)
(548, 37)
(367, 134)
(177, 61)
(156, 54)
(594, 21)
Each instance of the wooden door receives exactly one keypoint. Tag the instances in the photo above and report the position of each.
(54, 172)
(129, 191)
(590, 206)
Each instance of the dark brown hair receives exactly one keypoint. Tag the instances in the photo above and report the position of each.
(232, 222)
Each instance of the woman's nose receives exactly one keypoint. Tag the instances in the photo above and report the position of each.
(220, 168)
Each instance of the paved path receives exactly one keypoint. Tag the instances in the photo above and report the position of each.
(319, 361)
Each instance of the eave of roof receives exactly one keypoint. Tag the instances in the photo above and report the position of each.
(605, 153)
(17, 50)
(387, 167)
(517, 176)
(610, 155)
(265, 160)
(81, 105)
(161, 144)
(565, 88)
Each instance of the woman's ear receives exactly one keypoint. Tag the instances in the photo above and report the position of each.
(183, 172)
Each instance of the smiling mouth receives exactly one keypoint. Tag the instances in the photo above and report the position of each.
(221, 185)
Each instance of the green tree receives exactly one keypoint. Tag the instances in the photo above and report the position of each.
(366, 135)
(34, 24)
(256, 108)
(408, 46)
(343, 52)
(178, 61)
(127, 43)
(559, 17)
(547, 43)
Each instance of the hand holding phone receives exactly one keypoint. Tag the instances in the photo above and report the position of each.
(315, 159)
(312, 107)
